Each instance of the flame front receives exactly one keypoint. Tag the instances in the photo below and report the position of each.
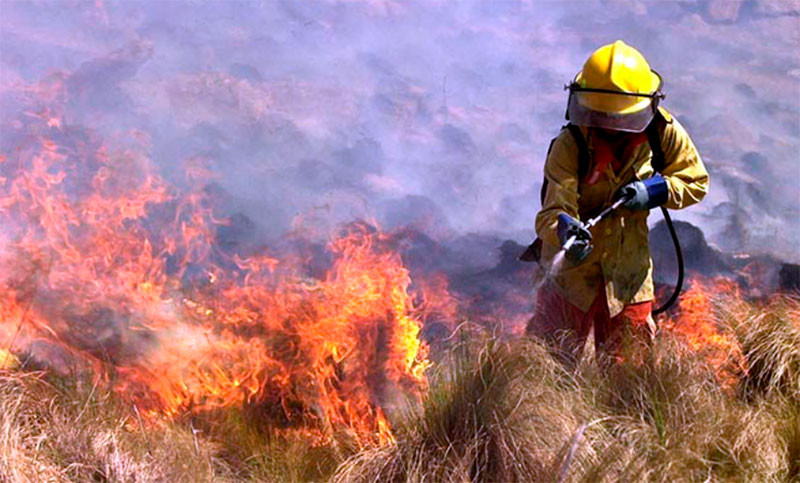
(105, 264)
(697, 326)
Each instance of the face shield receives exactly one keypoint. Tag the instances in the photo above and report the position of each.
(610, 109)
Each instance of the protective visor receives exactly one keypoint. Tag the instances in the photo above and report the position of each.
(609, 109)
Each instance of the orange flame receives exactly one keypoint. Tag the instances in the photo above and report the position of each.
(696, 325)
(103, 262)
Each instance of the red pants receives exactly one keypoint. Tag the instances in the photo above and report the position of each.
(565, 327)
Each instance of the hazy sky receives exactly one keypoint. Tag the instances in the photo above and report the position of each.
(436, 113)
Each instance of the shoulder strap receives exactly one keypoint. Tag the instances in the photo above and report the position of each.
(654, 139)
(583, 156)
(543, 192)
(583, 150)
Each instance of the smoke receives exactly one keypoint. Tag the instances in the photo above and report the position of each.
(431, 113)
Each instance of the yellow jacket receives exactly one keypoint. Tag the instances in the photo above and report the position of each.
(621, 256)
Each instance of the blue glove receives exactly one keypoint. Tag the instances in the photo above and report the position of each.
(569, 226)
(647, 194)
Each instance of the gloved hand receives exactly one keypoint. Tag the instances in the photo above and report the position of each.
(569, 226)
(646, 194)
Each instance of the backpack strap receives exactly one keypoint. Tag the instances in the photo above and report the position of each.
(583, 156)
(653, 132)
(543, 192)
(583, 150)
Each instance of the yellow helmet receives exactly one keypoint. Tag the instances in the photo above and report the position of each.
(616, 89)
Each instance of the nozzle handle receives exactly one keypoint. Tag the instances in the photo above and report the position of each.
(593, 221)
(603, 214)
(568, 244)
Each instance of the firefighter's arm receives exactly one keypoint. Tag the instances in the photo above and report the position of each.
(561, 173)
(686, 176)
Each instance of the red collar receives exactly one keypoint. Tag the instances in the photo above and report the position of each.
(613, 154)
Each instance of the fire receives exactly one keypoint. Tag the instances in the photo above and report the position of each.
(696, 325)
(105, 264)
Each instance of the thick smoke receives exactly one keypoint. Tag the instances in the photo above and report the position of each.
(430, 113)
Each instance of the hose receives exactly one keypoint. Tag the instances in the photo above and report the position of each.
(679, 255)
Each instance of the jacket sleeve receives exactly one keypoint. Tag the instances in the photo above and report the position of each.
(686, 176)
(561, 173)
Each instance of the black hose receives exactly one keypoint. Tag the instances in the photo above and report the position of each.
(679, 254)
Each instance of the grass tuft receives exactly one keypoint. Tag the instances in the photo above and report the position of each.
(505, 409)
(770, 339)
(668, 418)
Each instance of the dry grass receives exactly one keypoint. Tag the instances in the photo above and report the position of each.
(770, 339)
(66, 429)
(56, 431)
(501, 409)
(508, 412)
(497, 410)
(668, 419)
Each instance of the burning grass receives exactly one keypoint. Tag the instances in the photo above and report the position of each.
(495, 410)
(106, 266)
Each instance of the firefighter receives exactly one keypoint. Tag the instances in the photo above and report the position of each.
(618, 141)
